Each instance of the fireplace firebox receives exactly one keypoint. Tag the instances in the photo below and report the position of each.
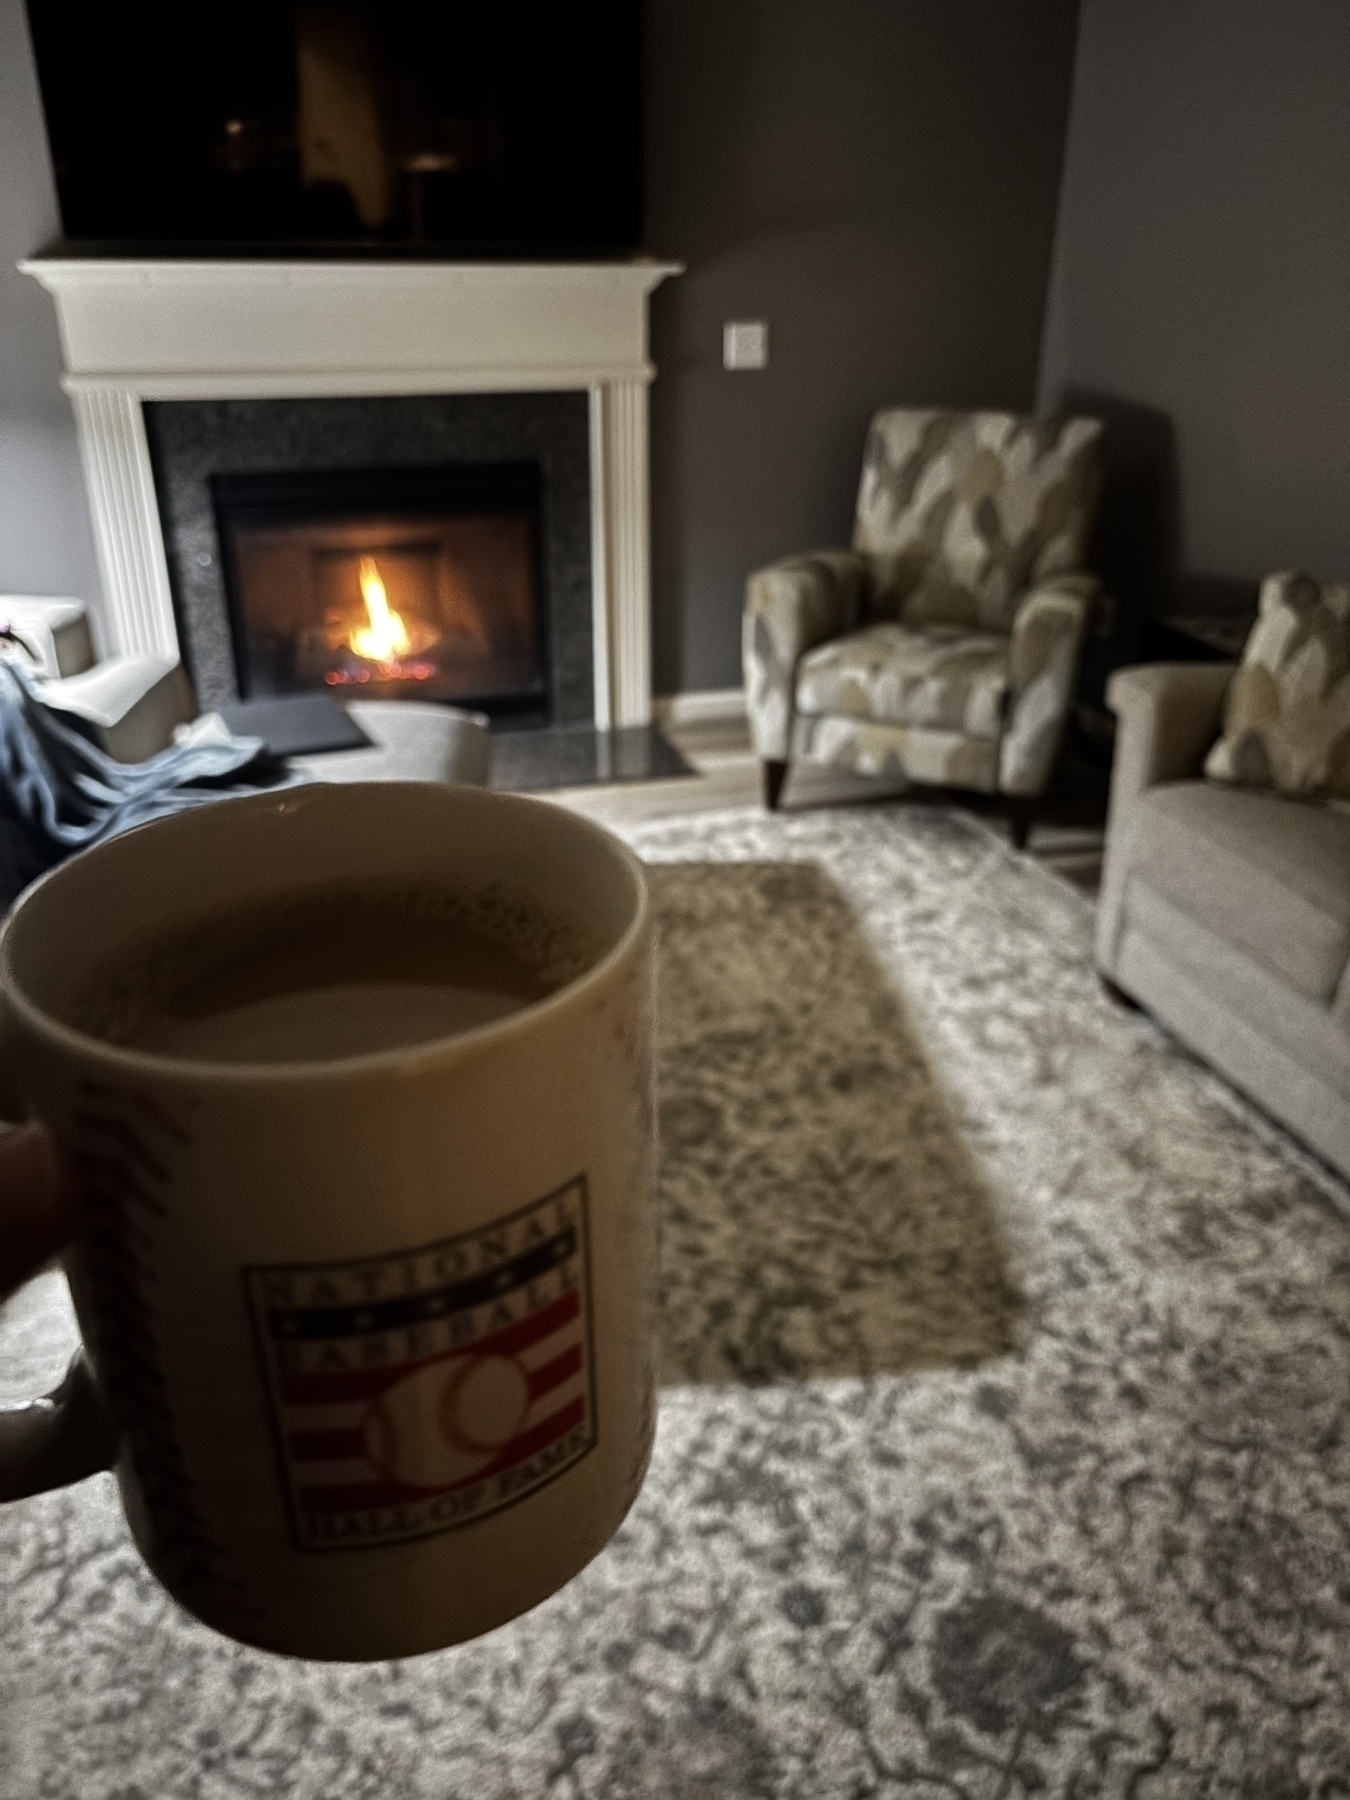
(388, 583)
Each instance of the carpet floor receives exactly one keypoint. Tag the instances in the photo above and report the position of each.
(1003, 1448)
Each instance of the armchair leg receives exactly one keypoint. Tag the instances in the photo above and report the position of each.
(1020, 814)
(775, 774)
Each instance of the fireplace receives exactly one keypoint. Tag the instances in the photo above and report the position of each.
(182, 369)
(474, 510)
(389, 583)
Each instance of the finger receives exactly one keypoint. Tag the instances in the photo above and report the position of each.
(36, 1205)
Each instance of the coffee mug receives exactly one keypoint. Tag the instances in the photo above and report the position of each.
(368, 1343)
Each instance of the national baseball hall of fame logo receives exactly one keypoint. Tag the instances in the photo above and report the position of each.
(422, 1390)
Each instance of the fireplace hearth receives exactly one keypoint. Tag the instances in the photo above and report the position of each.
(388, 583)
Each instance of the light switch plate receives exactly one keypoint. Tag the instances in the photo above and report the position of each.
(745, 344)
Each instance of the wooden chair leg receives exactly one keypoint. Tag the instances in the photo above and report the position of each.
(1020, 814)
(775, 774)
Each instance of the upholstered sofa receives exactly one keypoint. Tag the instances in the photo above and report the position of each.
(944, 645)
(1225, 910)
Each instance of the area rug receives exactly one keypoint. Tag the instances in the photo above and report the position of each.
(1003, 1447)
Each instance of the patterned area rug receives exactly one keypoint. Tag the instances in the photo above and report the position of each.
(1004, 1445)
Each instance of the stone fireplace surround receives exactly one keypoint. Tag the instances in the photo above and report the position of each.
(136, 331)
(191, 440)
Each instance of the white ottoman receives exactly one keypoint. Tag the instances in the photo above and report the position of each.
(410, 740)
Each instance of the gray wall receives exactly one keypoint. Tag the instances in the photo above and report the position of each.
(1201, 287)
(878, 180)
(45, 542)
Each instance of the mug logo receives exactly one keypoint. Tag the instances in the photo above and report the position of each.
(422, 1390)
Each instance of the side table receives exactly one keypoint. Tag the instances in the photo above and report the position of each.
(1198, 637)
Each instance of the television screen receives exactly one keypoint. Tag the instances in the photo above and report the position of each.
(452, 127)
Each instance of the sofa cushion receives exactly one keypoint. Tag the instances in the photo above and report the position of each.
(1272, 876)
(944, 678)
(959, 513)
(1159, 931)
(1280, 1047)
(1287, 715)
(903, 753)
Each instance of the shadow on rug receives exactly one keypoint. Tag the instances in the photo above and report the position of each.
(821, 1214)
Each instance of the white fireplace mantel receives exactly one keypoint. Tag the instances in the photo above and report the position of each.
(165, 330)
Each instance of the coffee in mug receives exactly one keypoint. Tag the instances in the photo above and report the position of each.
(335, 972)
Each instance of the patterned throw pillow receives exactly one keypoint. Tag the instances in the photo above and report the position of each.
(1287, 716)
(959, 513)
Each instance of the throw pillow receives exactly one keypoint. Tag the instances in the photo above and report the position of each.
(1287, 716)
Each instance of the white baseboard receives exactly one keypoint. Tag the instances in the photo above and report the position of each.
(709, 706)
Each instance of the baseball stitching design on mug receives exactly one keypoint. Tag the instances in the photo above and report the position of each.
(121, 1147)
(425, 1389)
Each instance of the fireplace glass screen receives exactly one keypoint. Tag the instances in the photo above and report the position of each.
(388, 584)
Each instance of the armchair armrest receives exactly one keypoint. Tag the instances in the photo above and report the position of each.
(790, 607)
(1047, 638)
(1168, 715)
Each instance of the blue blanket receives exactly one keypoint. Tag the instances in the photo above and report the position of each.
(62, 793)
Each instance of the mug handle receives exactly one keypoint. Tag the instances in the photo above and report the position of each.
(64, 1435)
(60, 1438)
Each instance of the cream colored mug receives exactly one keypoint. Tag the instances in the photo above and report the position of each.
(370, 1343)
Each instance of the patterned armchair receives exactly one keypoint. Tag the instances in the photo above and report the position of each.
(944, 646)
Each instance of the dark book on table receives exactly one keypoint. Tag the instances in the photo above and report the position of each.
(295, 724)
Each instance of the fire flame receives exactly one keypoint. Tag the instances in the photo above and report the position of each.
(386, 638)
